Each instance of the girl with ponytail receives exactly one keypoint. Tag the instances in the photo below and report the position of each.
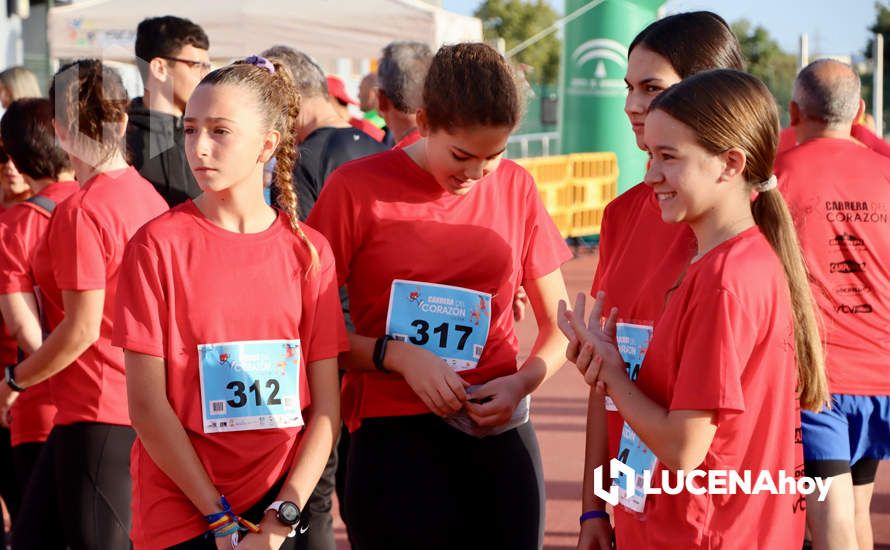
(230, 320)
(737, 349)
(84, 465)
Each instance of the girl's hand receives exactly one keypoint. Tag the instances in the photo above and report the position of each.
(493, 403)
(440, 388)
(573, 348)
(272, 535)
(7, 400)
(598, 344)
(520, 301)
(596, 534)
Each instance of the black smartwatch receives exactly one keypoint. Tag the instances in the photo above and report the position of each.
(380, 352)
(287, 513)
(10, 379)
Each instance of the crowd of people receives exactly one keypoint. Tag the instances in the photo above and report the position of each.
(229, 299)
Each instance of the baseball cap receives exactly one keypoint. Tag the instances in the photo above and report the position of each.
(337, 89)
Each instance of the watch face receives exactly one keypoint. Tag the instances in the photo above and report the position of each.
(289, 513)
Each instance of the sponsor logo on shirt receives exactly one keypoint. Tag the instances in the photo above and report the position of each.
(847, 241)
(847, 266)
(852, 290)
(856, 211)
(861, 308)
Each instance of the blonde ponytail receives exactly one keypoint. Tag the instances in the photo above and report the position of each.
(774, 220)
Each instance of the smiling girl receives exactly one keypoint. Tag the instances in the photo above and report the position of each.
(432, 242)
(231, 322)
(720, 370)
(641, 256)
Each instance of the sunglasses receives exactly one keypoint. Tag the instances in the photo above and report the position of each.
(190, 62)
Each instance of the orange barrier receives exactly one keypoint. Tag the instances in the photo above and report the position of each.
(575, 189)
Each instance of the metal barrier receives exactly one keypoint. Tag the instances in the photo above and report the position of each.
(575, 189)
(549, 143)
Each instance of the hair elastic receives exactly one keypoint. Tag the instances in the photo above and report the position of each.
(261, 62)
(771, 183)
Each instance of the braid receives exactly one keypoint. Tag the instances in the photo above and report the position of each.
(286, 158)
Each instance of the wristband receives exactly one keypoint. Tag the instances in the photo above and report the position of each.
(226, 523)
(593, 514)
(380, 352)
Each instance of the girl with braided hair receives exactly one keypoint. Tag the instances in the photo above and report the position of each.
(230, 320)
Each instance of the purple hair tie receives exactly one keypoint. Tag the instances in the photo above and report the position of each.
(260, 62)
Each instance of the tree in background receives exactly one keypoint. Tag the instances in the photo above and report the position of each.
(517, 20)
(882, 26)
(768, 62)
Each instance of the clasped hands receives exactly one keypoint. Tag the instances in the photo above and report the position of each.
(593, 345)
(445, 392)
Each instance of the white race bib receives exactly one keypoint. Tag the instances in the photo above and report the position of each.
(251, 385)
(450, 321)
(633, 341)
(633, 452)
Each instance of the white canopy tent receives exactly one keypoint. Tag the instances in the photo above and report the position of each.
(328, 30)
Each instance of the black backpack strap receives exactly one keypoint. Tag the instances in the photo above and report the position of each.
(42, 203)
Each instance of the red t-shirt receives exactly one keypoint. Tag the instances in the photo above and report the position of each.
(860, 132)
(870, 139)
(412, 138)
(8, 346)
(367, 127)
(22, 230)
(725, 343)
(787, 140)
(386, 218)
(839, 195)
(183, 285)
(83, 251)
(640, 258)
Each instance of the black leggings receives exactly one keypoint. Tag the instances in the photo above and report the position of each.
(82, 479)
(24, 459)
(415, 482)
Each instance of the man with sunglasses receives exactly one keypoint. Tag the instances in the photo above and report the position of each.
(172, 57)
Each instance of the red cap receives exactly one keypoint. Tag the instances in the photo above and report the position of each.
(337, 89)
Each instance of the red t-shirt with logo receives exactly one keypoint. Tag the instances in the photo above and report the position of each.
(839, 195)
(725, 343)
(640, 258)
(183, 284)
(386, 218)
(22, 229)
(83, 251)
